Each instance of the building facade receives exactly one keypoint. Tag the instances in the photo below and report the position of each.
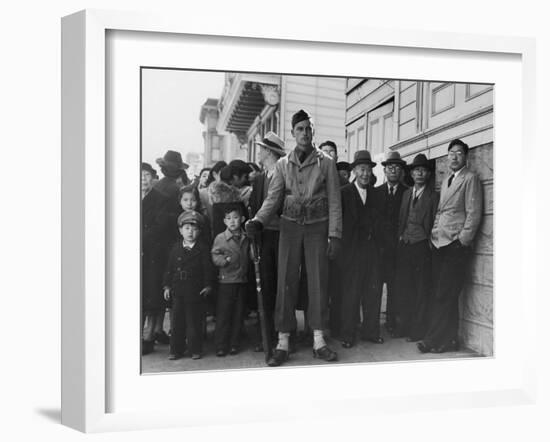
(217, 146)
(414, 117)
(254, 104)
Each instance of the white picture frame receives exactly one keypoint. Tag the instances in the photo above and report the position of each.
(86, 356)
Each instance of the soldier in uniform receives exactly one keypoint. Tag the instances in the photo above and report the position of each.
(306, 182)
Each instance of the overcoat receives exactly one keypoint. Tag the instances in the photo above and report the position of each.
(155, 238)
(189, 271)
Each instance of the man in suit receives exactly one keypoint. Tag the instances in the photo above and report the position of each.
(413, 270)
(359, 262)
(455, 226)
(389, 196)
(271, 149)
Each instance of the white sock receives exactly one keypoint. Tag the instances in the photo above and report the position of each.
(318, 339)
(283, 341)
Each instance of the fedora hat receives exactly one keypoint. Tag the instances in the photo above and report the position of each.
(420, 161)
(362, 157)
(148, 168)
(172, 160)
(394, 158)
(272, 142)
(343, 165)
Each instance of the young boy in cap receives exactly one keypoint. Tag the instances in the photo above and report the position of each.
(187, 281)
(230, 254)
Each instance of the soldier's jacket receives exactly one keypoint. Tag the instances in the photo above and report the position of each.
(309, 192)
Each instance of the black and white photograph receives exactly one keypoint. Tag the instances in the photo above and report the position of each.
(305, 220)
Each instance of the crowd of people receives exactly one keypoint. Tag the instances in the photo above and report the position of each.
(328, 241)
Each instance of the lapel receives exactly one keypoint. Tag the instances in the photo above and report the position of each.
(313, 158)
(424, 198)
(191, 254)
(409, 197)
(446, 192)
(357, 197)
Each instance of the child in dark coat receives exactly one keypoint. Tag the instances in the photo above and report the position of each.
(187, 281)
(231, 254)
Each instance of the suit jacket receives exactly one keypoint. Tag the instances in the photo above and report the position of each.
(425, 210)
(459, 212)
(353, 213)
(388, 210)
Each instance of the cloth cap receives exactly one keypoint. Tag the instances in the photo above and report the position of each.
(190, 217)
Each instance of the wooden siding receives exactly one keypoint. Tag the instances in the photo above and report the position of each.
(324, 98)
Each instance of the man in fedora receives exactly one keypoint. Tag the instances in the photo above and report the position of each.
(305, 181)
(173, 168)
(388, 196)
(413, 270)
(359, 262)
(456, 223)
(271, 149)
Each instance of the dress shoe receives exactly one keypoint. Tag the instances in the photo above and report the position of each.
(347, 344)
(174, 356)
(412, 339)
(325, 353)
(422, 347)
(450, 346)
(220, 353)
(234, 350)
(162, 338)
(258, 348)
(277, 358)
(375, 339)
(196, 356)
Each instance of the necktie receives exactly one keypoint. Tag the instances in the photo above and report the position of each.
(450, 180)
(415, 198)
(391, 190)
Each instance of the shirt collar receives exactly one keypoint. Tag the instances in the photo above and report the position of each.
(188, 245)
(229, 235)
(458, 171)
(360, 189)
(419, 191)
(395, 186)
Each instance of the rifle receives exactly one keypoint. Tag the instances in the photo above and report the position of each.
(255, 252)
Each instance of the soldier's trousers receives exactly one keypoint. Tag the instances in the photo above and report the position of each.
(309, 240)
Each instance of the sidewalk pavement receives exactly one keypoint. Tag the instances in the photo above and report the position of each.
(392, 350)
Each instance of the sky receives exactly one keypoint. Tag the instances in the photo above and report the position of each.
(171, 103)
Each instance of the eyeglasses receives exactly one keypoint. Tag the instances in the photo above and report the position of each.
(393, 167)
(456, 153)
